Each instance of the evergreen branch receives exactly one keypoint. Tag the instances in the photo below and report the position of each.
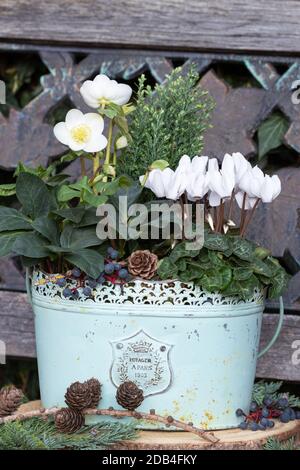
(38, 434)
(275, 444)
(168, 421)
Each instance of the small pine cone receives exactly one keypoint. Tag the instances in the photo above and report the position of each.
(95, 389)
(10, 399)
(68, 421)
(129, 396)
(142, 263)
(79, 396)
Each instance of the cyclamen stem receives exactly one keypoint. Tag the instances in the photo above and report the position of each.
(248, 220)
(168, 421)
(243, 213)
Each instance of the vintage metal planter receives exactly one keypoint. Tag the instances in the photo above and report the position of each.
(193, 353)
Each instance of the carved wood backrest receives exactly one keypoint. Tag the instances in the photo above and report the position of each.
(76, 43)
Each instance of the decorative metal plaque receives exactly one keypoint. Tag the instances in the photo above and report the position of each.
(143, 360)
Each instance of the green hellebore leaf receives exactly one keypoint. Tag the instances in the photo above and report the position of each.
(11, 219)
(31, 245)
(88, 260)
(93, 199)
(47, 227)
(33, 194)
(73, 238)
(7, 240)
(74, 214)
(65, 193)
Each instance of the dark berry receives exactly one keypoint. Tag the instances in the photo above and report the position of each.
(268, 400)
(264, 422)
(61, 282)
(87, 291)
(67, 292)
(117, 266)
(270, 424)
(114, 254)
(253, 406)
(243, 425)
(282, 403)
(261, 427)
(253, 426)
(297, 414)
(76, 272)
(292, 414)
(92, 283)
(109, 268)
(265, 412)
(239, 412)
(285, 416)
(110, 250)
(75, 294)
(123, 273)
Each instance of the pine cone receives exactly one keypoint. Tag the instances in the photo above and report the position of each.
(95, 389)
(129, 396)
(142, 263)
(68, 421)
(79, 396)
(10, 399)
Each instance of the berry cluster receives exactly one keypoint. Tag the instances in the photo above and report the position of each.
(114, 272)
(261, 417)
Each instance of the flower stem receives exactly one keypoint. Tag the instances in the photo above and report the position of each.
(248, 220)
(82, 166)
(109, 140)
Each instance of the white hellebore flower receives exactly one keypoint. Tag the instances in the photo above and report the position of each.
(81, 131)
(221, 182)
(101, 91)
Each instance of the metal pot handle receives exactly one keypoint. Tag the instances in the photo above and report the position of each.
(28, 285)
(276, 334)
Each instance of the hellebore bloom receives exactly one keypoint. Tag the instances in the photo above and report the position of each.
(102, 91)
(81, 131)
(221, 182)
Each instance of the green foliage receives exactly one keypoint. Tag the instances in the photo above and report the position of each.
(167, 123)
(226, 264)
(275, 444)
(37, 434)
(271, 133)
(262, 388)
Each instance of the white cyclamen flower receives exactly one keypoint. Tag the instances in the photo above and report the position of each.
(256, 185)
(241, 166)
(81, 131)
(197, 184)
(164, 183)
(221, 182)
(102, 91)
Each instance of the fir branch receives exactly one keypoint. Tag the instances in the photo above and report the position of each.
(262, 388)
(167, 123)
(275, 444)
(38, 434)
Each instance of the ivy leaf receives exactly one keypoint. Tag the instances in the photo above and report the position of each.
(33, 194)
(271, 133)
(88, 260)
(11, 219)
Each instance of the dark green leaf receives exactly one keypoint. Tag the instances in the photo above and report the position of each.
(74, 214)
(7, 240)
(241, 274)
(167, 269)
(65, 193)
(216, 241)
(73, 238)
(33, 194)
(271, 133)
(89, 217)
(93, 199)
(11, 219)
(216, 280)
(31, 245)
(47, 227)
(88, 260)
(243, 249)
(7, 189)
(279, 283)
(181, 250)
(260, 267)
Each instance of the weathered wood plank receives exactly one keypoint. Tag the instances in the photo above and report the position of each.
(172, 24)
(17, 331)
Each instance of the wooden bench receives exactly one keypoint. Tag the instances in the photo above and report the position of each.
(123, 39)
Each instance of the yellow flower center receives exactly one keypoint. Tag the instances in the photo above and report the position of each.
(81, 134)
(103, 102)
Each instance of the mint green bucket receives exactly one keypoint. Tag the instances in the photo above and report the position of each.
(193, 353)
